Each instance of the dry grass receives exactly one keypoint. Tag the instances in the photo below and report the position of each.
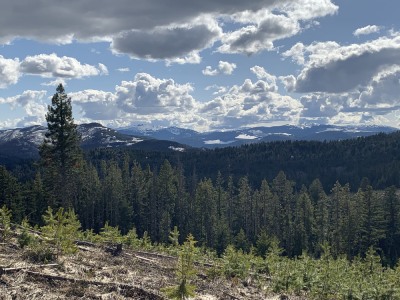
(92, 273)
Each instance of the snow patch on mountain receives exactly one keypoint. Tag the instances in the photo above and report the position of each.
(217, 142)
(244, 136)
(178, 149)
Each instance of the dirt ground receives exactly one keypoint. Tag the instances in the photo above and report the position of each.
(93, 273)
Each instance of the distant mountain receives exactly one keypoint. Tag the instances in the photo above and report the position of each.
(218, 139)
(22, 143)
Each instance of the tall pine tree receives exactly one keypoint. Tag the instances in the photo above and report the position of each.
(60, 153)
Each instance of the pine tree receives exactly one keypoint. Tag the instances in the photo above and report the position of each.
(61, 230)
(185, 272)
(60, 152)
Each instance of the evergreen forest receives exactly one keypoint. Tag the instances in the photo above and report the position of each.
(298, 197)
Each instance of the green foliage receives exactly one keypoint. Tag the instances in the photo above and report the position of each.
(61, 229)
(131, 239)
(110, 234)
(174, 237)
(39, 251)
(5, 223)
(185, 272)
(241, 241)
(145, 241)
(235, 263)
(89, 235)
(25, 238)
(263, 243)
(61, 156)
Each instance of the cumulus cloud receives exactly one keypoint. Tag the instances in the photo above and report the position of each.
(51, 65)
(371, 104)
(24, 99)
(289, 82)
(175, 30)
(264, 27)
(47, 66)
(224, 67)
(251, 103)
(165, 43)
(209, 71)
(163, 102)
(149, 95)
(9, 71)
(383, 91)
(96, 105)
(255, 38)
(32, 103)
(332, 68)
(217, 89)
(308, 9)
(367, 30)
(269, 79)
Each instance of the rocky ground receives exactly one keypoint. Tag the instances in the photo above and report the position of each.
(93, 273)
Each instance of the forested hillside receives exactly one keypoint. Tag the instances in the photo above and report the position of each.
(349, 161)
(223, 211)
(301, 200)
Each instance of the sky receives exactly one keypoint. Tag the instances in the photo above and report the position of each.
(202, 64)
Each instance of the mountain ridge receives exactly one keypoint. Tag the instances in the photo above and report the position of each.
(22, 143)
(237, 137)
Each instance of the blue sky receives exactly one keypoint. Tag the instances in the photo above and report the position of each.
(204, 65)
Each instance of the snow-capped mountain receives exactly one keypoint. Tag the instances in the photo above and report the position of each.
(215, 139)
(22, 143)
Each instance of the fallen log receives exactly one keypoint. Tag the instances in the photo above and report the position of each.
(6, 270)
(145, 293)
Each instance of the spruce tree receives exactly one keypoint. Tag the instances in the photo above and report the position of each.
(60, 152)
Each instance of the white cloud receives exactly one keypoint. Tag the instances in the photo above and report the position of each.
(218, 89)
(24, 99)
(175, 31)
(209, 71)
(149, 95)
(374, 103)
(259, 37)
(264, 27)
(308, 9)
(9, 71)
(47, 66)
(32, 104)
(224, 67)
(330, 67)
(269, 79)
(51, 65)
(56, 82)
(383, 91)
(123, 70)
(97, 105)
(250, 104)
(289, 82)
(367, 30)
(163, 102)
(102, 69)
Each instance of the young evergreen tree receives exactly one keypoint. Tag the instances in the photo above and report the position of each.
(185, 272)
(60, 152)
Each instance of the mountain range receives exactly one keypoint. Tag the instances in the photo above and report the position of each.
(22, 143)
(217, 139)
